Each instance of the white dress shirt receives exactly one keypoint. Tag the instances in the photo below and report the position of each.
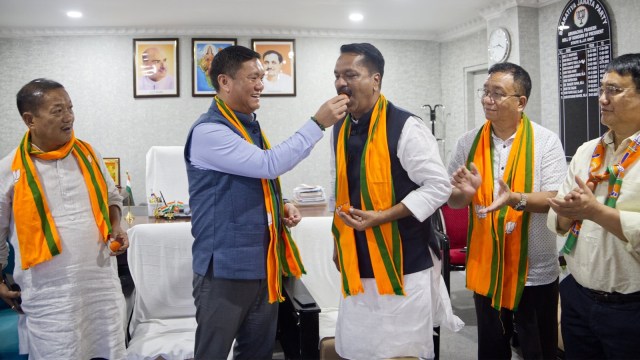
(419, 156)
(549, 169)
(600, 260)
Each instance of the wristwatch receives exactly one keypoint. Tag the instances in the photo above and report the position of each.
(521, 204)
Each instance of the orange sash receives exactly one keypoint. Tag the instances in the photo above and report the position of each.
(497, 243)
(38, 237)
(376, 193)
(283, 257)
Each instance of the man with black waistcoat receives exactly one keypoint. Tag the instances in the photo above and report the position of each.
(389, 180)
(242, 246)
(598, 208)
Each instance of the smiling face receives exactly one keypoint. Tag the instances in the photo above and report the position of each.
(620, 107)
(272, 66)
(242, 91)
(504, 102)
(353, 78)
(51, 126)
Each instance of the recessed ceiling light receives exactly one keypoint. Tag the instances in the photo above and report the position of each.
(74, 14)
(356, 17)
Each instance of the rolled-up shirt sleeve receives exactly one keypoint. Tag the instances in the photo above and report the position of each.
(216, 147)
(630, 221)
(419, 155)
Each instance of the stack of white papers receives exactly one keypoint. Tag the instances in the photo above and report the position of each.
(308, 195)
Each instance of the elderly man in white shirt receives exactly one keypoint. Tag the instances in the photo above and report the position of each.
(61, 211)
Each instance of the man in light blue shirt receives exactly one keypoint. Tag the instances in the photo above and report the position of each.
(235, 200)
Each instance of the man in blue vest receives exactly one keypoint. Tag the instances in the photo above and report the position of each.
(238, 217)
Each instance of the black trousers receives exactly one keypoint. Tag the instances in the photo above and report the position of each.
(597, 330)
(228, 309)
(536, 322)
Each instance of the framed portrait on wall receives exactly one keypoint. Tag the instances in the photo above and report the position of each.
(203, 52)
(155, 68)
(278, 59)
(113, 167)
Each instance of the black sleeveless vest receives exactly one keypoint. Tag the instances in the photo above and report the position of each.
(415, 235)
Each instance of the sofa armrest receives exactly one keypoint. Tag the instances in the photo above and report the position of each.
(298, 326)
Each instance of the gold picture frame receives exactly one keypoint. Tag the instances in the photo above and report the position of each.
(113, 167)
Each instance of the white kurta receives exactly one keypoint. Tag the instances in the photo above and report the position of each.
(373, 326)
(73, 304)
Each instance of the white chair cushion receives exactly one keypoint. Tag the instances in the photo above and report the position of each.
(315, 242)
(163, 320)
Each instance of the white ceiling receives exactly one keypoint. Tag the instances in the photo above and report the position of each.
(421, 19)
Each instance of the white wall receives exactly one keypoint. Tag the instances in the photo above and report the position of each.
(461, 54)
(457, 58)
(97, 73)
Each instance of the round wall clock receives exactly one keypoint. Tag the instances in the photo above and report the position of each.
(499, 45)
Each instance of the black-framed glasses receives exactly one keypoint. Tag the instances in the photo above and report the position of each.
(493, 95)
(612, 90)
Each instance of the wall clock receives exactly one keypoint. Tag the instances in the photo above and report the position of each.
(499, 45)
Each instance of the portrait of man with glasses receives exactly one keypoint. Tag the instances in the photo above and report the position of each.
(504, 171)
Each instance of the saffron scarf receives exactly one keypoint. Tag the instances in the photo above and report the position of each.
(38, 237)
(498, 241)
(283, 257)
(614, 174)
(376, 194)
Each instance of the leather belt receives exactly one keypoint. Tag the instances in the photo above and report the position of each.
(614, 297)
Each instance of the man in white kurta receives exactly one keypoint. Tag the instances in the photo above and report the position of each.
(73, 303)
(397, 318)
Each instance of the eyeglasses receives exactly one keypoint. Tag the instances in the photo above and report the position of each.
(611, 90)
(494, 96)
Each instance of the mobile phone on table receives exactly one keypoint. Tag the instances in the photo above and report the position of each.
(15, 302)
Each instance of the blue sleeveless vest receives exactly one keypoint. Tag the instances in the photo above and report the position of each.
(229, 221)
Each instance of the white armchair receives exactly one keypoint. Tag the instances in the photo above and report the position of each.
(315, 242)
(163, 321)
(167, 173)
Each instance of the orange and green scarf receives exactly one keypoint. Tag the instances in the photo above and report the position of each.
(376, 193)
(283, 257)
(38, 237)
(497, 243)
(614, 174)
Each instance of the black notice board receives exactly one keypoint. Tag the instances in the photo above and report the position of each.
(584, 51)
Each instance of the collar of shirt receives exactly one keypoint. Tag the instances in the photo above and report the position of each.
(366, 116)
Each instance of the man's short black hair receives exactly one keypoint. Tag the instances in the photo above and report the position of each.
(228, 61)
(373, 59)
(520, 76)
(627, 64)
(30, 97)
(280, 58)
